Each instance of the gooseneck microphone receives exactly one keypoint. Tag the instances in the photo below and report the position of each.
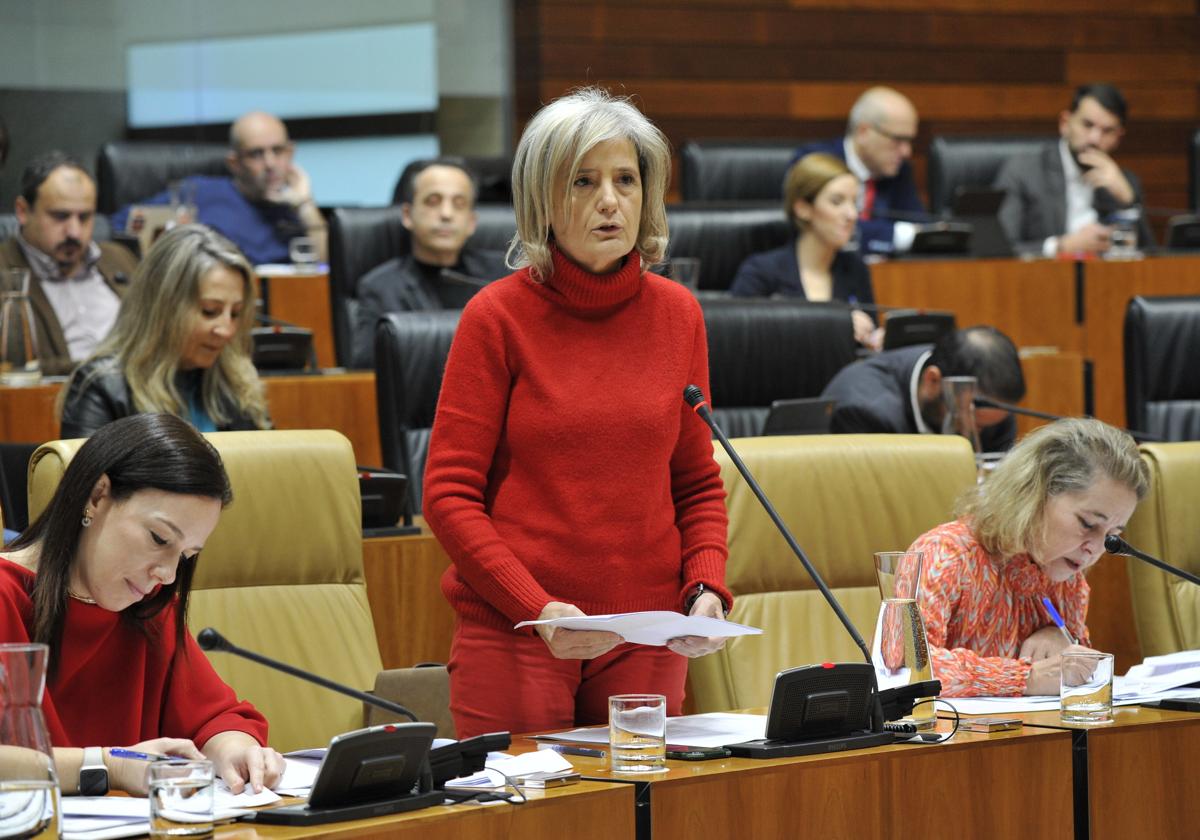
(1113, 544)
(695, 398)
(210, 639)
(988, 402)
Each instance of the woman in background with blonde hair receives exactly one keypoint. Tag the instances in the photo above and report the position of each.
(1029, 532)
(820, 198)
(566, 475)
(181, 343)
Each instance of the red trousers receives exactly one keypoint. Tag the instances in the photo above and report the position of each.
(506, 681)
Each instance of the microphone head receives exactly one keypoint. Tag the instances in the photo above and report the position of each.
(210, 639)
(693, 396)
(1113, 544)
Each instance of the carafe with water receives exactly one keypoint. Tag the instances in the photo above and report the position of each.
(19, 360)
(899, 650)
(29, 792)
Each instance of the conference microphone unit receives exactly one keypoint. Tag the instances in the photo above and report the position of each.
(1113, 544)
(817, 708)
(210, 639)
(988, 402)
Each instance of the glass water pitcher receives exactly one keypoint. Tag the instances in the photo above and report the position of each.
(29, 791)
(899, 650)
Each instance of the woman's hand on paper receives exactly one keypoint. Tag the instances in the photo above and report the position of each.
(573, 644)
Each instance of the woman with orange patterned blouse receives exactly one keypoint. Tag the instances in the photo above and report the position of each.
(1031, 531)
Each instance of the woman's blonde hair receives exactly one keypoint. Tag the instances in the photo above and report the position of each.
(552, 147)
(1007, 512)
(805, 180)
(156, 319)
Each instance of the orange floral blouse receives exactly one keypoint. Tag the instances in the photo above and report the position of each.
(979, 608)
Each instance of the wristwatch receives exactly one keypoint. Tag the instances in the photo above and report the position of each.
(698, 590)
(93, 775)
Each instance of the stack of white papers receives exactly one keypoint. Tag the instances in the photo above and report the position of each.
(714, 729)
(656, 627)
(102, 817)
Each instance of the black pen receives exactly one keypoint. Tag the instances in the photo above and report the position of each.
(567, 749)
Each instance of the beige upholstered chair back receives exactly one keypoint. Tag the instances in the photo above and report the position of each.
(844, 497)
(1165, 608)
(282, 575)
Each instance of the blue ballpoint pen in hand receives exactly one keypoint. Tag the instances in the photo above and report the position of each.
(1058, 620)
(120, 752)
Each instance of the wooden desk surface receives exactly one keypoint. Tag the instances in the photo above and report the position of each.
(1005, 784)
(1141, 781)
(583, 811)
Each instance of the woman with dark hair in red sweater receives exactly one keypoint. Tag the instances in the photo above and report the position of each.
(566, 476)
(102, 578)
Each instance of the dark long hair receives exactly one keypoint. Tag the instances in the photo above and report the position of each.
(140, 452)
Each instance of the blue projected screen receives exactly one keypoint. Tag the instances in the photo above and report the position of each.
(333, 73)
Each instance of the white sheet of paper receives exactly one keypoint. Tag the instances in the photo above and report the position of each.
(1049, 702)
(713, 729)
(655, 627)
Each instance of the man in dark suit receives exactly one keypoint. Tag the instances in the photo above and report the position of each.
(441, 271)
(1061, 198)
(75, 284)
(900, 391)
(877, 148)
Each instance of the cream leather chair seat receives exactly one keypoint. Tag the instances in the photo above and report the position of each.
(1166, 609)
(844, 497)
(281, 575)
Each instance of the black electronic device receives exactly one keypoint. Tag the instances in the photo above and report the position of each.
(278, 347)
(905, 327)
(816, 708)
(374, 771)
(1177, 704)
(463, 758)
(679, 752)
(979, 207)
(819, 709)
(383, 496)
(1183, 233)
(366, 773)
(807, 416)
(941, 239)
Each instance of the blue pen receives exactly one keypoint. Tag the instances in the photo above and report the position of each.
(1062, 625)
(119, 752)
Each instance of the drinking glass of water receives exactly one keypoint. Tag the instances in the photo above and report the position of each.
(637, 733)
(181, 798)
(1085, 689)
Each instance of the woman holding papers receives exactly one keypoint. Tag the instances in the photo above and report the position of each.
(566, 476)
(1028, 533)
(102, 577)
(181, 343)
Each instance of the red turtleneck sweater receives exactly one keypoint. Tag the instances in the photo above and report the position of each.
(114, 686)
(564, 464)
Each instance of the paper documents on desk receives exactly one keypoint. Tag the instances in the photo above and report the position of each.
(103, 817)
(656, 627)
(1157, 678)
(712, 729)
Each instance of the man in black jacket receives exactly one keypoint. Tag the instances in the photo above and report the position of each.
(900, 391)
(441, 271)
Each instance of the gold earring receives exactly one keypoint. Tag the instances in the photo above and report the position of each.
(87, 518)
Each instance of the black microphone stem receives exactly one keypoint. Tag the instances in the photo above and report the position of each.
(210, 639)
(702, 409)
(988, 402)
(1115, 545)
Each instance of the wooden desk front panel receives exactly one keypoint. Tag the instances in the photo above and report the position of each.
(1140, 772)
(975, 786)
(584, 811)
(413, 621)
(303, 300)
(1033, 303)
(341, 401)
(1108, 289)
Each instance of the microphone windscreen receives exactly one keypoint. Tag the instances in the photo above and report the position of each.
(693, 396)
(1115, 545)
(210, 639)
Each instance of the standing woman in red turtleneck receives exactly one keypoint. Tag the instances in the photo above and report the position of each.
(566, 476)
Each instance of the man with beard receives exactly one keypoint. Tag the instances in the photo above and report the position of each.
(900, 391)
(75, 283)
(265, 203)
(1060, 199)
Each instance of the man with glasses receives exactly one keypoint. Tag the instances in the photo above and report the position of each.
(265, 203)
(1060, 199)
(877, 148)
